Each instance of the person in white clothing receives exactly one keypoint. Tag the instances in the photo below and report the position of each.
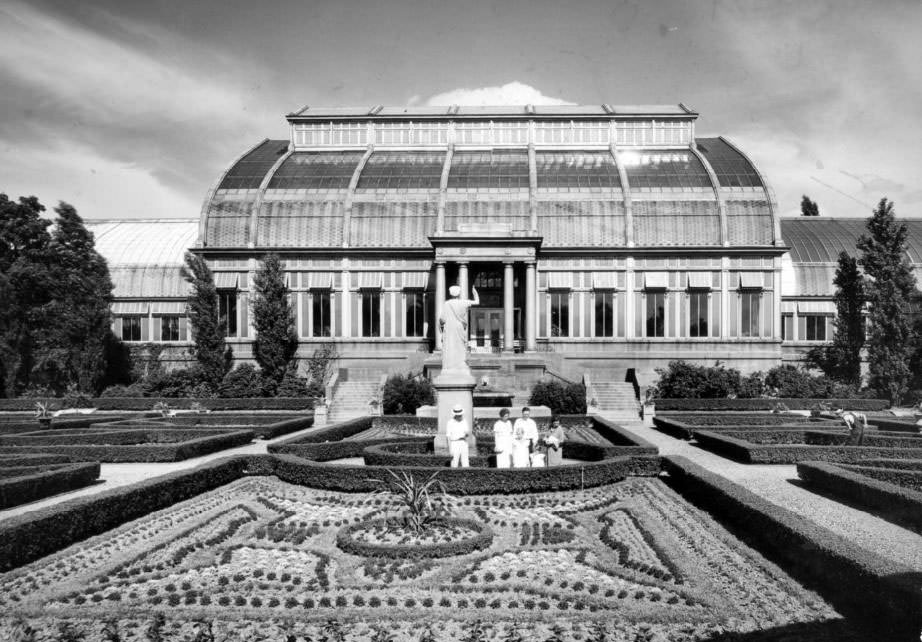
(457, 431)
(502, 438)
(524, 439)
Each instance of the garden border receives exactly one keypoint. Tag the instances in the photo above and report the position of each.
(765, 403)
(891, 501)
(478, 542)
(856, 581)
(39, 484)
(146, 403)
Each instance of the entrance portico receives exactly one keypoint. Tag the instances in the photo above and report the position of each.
(497, 258)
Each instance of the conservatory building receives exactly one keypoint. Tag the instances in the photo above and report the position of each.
(599, 238)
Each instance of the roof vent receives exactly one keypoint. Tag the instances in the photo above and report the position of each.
(608, 108)
(529, 109)
(453, 110)
(302, 110)
(375, 110)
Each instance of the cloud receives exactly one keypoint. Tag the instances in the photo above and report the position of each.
(513, 93)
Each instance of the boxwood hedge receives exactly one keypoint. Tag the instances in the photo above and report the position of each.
(23, 484)
(891, 501)
(863, 405)
(861, 584)
(146, 403)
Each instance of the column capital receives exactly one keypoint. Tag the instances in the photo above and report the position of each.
(508, 261)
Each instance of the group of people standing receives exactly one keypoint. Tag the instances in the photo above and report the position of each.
(517, 445)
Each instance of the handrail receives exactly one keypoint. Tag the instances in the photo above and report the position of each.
(631, 377)
(556, 375)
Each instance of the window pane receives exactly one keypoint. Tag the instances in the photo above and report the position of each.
(749, 314)
(169, 328)
(131, 328)
(560, 314)
(604, 314)
(371, 318)
(698, 314)
(320, 313)
(415, 314)
(656, 314)
(227, 312)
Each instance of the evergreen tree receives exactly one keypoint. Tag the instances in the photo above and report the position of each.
(809, 207)
(890, 290)
(25, 287)
(76, 335)
(273, 319)
(207, 333)
(842, 359)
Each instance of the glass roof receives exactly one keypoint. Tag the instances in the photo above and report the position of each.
(493, 169)
(731, 167)
(673, 170)
(576, 170)
(820, 240)
(312, 170)
(249, 171)
(402, 171)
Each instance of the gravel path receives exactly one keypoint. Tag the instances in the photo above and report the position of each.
(778, 484)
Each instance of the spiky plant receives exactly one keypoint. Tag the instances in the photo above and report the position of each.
(418, 499)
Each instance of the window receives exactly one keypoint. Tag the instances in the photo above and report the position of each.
(371, 313)
(227, 312)
(416, 314)
(698, 314)
(787, 327)
(656, 314)
(815, 327)
(169, 328)
(560, 314)
(604, 314)
(750, 306)
(131, 328)
(321, 324)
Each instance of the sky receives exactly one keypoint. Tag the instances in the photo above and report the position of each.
(130, 109)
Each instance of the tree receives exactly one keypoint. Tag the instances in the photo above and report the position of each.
(841, 360)
(207, 334)
(74, 342)
(890, 289)
(809, 207)
(24, 287)
(273, 319)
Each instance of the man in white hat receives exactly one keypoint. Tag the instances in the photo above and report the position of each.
(457, 431)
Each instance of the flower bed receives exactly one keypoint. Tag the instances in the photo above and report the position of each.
(736, 446)
(892, 501)
(883, 593)
(389, 538)
(101, 443)
(29, 483)
(199, 564)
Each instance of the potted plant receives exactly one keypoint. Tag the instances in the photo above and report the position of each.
(43, 414)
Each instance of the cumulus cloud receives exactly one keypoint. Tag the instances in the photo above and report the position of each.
(513, 93)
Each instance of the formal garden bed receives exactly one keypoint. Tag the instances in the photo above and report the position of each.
(28, 478)
(264, 426)
(890, 488)
(119, 404)
(260, 557)
(767, 404)
(108, 443)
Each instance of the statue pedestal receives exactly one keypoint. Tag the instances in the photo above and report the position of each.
(454, 388)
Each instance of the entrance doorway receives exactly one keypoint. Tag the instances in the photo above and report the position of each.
(486, 329)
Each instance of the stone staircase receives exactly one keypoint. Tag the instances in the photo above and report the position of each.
(616, 400)
(351, 399)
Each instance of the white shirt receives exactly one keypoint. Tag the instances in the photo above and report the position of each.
(502, 435)
(527, 428)
(456, 429)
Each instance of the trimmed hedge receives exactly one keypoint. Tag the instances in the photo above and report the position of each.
(146, 403)
(31, 460)
(686, 430)
(714, 419)
(264, 426)
(482, 540)
(763, 403)
(906, 478)
(334, 432)
(859, 583)
(750, 453)
(198, 444)
(40, 481)
(902, 464)
(878, 439)
(894, 503)
(465, 481)
(25, 538)
(895, 425)
(419, 452)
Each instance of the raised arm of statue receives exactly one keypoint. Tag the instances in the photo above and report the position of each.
(476, 299)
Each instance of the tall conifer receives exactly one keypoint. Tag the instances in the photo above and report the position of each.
(891, 288)
(207, 333)
(842, 359)
(273, 319)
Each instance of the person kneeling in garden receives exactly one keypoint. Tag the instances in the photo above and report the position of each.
(457, 431)
(502, 438)
(857, 423)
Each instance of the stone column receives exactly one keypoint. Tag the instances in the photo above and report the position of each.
(463, 280)
(439, 301)
(508, 309)
(531, 306)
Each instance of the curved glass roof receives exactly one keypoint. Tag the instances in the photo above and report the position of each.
(663, 170)
(402, 171)
(316, 170)
(490, 169)
(820, 240)
(730, 166)
(249, 171)
(576, 170)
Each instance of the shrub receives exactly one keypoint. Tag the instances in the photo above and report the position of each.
(683, 380)
(294, 385)
(178, 383)
(561, 398)
(137, 389)
(245, 381)
(403, 394)
(752, 386)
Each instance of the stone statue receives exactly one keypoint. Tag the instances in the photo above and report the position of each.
(453, 324)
